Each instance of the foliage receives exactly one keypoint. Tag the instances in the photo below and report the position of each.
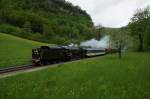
(49, 18)
(5, 28)
(100, 31)
(121, 39)
(27, 27)
(118, 36)
(99, 78)
(139, 27)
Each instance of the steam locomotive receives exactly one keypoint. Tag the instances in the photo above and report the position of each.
(49, 55)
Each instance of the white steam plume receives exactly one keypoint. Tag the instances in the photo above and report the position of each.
(103, 43)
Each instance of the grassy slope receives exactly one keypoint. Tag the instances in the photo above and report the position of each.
(15, 51)
(102, 78)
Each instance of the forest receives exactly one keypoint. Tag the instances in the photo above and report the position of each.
(51, 21)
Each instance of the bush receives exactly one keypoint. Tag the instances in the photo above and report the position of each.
(5, 28)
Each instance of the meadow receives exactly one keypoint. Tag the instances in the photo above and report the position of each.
(106, 77)
(15, 50)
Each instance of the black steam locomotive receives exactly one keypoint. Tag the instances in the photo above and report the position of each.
(48, 55)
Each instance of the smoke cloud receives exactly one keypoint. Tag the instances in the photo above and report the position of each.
(103, 43)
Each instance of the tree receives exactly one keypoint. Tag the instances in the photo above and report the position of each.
(147, 37)
(138, 25)
(27, 27)
(120, 39)
(47, 31)
(99, 31)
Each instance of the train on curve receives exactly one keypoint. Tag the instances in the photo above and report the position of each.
(49, 55)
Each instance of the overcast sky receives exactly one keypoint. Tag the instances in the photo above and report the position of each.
(111, 13)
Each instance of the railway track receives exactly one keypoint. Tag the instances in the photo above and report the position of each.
(27, 67)
(13, 69)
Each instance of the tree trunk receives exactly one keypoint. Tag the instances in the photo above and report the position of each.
(141, 42)
(120, 51)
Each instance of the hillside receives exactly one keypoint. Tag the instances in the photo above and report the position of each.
(101, 78)
(15, 51)
(53, 21)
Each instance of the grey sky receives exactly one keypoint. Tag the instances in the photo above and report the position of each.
(111, 13)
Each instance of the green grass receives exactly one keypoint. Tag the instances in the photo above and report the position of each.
(101, 78)
(15, 50)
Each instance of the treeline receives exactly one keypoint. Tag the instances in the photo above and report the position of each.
(140, 29)
(52, 21)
